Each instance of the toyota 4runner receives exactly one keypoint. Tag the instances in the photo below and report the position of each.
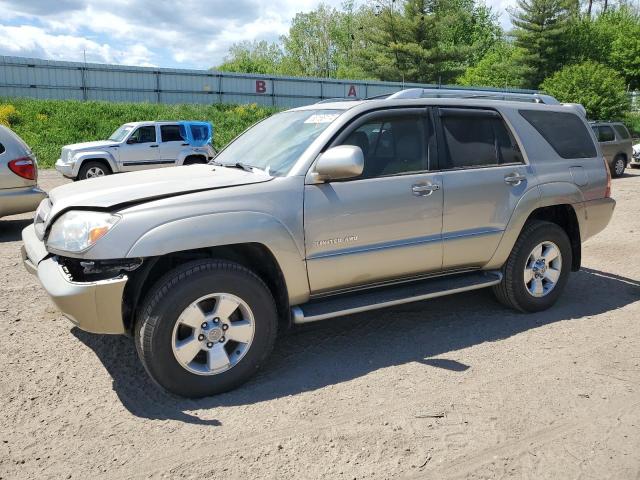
(319, 212)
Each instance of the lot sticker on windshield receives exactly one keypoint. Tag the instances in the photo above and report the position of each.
(322, 118)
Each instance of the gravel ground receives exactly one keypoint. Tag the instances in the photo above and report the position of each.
(457, 387)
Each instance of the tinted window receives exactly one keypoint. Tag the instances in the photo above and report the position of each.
(605, 134)
(565, 132)
(144, 135)
(391, 145)
(170, 133)
(622, 131)
(476, 138)
(1, 148)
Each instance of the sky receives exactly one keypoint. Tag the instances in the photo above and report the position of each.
(176, 34)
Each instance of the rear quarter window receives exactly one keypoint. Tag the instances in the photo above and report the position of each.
(564, 131)
(622, 131)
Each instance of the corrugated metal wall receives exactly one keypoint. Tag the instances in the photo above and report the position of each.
(27, 77)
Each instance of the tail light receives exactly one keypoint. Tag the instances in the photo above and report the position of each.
(24, 167)
(607, 192)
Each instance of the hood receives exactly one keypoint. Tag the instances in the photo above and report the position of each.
(147, 185)
(90, 145)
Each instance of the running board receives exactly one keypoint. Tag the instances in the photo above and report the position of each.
(381, 297)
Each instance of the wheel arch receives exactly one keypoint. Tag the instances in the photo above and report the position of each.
(559, 202)
(254, 256)
(101, 157)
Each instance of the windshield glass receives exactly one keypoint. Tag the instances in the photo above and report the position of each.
(121, 133)
(276, 143)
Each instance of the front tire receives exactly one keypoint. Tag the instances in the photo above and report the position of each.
(93, 169)
(537, 269)
(205, 328)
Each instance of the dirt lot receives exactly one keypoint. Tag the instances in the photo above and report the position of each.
(458, 387)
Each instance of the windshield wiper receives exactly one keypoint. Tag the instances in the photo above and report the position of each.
(240, 165)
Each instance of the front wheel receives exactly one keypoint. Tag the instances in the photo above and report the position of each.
(206, 328)
(93, 169)
(537, 269)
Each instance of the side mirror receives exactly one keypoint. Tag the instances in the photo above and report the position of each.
(131, 141)
(337, 163)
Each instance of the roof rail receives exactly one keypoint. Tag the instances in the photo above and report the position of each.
(514, 96)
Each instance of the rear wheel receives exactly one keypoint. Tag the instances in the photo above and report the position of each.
(93, 169)
(537, 270)
(618, 167)
(206, 327)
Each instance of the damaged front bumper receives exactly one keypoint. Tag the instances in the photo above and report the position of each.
(94, 306)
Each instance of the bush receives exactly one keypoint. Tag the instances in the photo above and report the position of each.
(600, 89)
(48, 125)
(8, 115)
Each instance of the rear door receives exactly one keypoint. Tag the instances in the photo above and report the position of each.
(607, 140)
(483, 178)
(171, 143)
(385, 224)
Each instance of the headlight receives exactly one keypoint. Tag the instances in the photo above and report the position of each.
(76, 231)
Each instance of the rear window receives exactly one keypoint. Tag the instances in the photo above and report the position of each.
(565, 132)
(622, 131)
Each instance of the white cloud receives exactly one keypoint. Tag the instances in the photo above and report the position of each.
(189, 33)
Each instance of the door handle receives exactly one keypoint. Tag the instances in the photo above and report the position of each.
(153, 146)
(424, 190)
(514, 179)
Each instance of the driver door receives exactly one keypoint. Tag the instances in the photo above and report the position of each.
(141, 150)
(385, 224)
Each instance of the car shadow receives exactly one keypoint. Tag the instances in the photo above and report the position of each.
(339, 350)
(11, 230)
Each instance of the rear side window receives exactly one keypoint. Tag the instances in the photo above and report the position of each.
(622, 131)
(170, 133)
(565, 132)
(477, 138)
(605, 133)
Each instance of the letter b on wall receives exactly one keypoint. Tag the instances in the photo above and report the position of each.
(261, 86)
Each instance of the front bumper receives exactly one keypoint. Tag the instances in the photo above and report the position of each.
(95, 307)
(65, 169)
(20, 200)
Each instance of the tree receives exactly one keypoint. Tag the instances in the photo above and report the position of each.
(321, 43)
(253, 57)
(600, 89)
(425, 40)
(540, 30)
(501, 67)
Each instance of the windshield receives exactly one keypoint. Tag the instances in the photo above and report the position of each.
(276, 143)
(121, 133)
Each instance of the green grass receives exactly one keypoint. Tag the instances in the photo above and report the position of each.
(47, 125)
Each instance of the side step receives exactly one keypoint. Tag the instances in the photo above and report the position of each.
(388, 296)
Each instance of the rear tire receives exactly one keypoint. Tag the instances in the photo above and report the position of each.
(93, 169)
(618, 166)
(169, 322)
(533, 281)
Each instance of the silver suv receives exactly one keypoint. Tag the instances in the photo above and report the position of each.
(319, 212)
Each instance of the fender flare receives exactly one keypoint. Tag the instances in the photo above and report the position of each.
(543, 195)
(225, 229)
(81, 157)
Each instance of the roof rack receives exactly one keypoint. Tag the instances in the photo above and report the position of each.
(530, 96)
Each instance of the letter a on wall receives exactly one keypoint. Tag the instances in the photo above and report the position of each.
(352, 91)
(261, 86)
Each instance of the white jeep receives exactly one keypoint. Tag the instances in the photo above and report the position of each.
(139, 146)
